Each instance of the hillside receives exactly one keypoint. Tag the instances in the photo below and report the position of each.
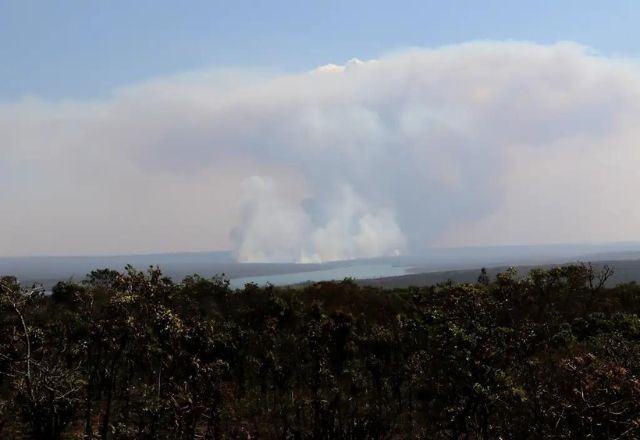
(624, 271)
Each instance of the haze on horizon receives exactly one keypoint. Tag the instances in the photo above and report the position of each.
(466, 138)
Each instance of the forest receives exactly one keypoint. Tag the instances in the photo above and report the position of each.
(551, 353)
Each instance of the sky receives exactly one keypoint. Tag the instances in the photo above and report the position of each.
(316, 131)
(84, 49)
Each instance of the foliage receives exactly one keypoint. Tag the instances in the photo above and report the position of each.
(135, 355)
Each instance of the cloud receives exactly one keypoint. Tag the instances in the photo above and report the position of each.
(478, 143)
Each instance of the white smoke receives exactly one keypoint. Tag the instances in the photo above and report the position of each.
(479, 143)
(273, 229)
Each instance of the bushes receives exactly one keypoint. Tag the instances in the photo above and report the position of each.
(136, 355)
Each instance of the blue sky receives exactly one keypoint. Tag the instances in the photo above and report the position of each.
(84, 49)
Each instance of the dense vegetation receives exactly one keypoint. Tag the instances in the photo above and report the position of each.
(551, 354)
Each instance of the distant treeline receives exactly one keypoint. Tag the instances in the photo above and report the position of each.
(135, 355)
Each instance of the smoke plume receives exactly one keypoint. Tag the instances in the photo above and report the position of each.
(478, 143)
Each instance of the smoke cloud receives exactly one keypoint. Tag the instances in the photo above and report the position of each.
(273, 229)
(479, 143)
